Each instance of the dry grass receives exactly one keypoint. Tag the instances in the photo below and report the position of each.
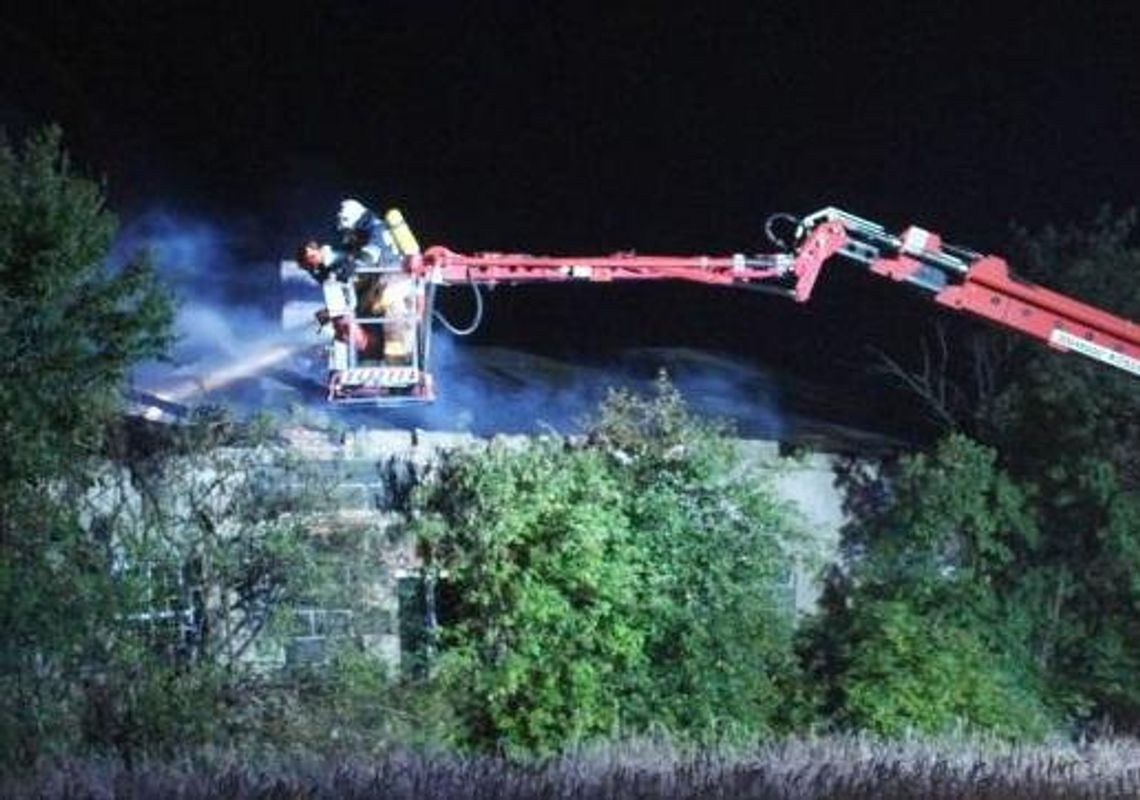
(835, 767)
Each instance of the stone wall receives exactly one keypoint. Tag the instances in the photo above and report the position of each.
(367, 474)
(368, 463)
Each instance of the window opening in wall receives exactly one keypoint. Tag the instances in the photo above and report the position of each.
(315, 633)
(427, 604)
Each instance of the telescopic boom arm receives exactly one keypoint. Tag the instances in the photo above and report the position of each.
(385, 360)
(956, 277)
(983, 285)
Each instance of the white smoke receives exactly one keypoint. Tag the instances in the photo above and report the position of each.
(487, 390)
(231, 349)
(227, 307)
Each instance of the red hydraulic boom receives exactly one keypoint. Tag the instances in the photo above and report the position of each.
(983, 285)
(953, 276)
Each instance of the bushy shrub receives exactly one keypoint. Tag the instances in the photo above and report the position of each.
(627, 581)
(924, 633)
(537, 545)
(912, 671)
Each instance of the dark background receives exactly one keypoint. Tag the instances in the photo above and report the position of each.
(590, 127)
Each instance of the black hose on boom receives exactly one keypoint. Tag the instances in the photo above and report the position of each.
(476, 320)
(775, 238)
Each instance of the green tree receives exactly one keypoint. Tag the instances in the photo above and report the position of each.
(719, 552)
(209, 542)
(536, 543)
(1070, 428)
(915, 669)
(924, 635)
(629, 580)
(70, 328)
(72, 325)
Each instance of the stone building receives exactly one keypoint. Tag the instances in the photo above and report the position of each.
(374, 592)
(372, 469)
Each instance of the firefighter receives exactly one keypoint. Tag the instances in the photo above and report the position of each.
(365, 236)
(334, 269)
(366, 239)
(370, 240)
(340, 300)
(396, 302)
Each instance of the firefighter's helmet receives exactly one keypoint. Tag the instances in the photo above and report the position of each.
(350, 213)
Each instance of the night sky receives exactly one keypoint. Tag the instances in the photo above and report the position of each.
(590, 127)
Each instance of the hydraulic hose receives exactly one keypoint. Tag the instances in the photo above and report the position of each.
(476, 319)
(775, 238)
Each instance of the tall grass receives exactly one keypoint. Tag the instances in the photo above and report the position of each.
(832, 767)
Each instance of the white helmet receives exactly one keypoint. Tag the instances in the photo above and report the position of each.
(350, 214)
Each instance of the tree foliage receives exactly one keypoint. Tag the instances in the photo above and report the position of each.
(1070, 427)
(1068, 432)
(923, 635)
(70, 328)
(132, 578)
(71, 325)
(628, 581)
(721, 550)
(209, 542)
(921, 670)
(539, 549)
